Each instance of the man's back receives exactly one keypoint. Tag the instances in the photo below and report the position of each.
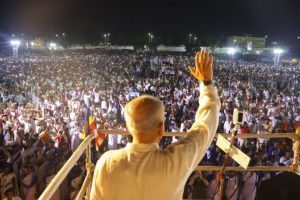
(132, 172)
(137, 168)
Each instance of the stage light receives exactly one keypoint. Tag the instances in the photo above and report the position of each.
(15, 43)
(231, 51)
(52, 45)
(277, 51)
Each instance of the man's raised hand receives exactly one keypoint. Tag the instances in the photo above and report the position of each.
(203, 65)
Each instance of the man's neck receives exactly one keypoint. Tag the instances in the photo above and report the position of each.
(143, 140)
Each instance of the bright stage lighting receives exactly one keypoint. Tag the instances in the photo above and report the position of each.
(15, 43)
(52, 46)
(231, 51)
(278, 51)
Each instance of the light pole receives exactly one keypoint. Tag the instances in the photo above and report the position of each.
(52, 47)
(190, 37)
(15, 44)
(105, 39)
(231, 52)
(108, 34)
(234, 42)
(277, 53)
(63, 36)
(149, 38)
(195, 38)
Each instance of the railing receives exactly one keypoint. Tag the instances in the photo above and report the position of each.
(86, 145)
(63, 172)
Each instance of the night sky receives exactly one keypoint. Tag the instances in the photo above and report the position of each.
(279, 19)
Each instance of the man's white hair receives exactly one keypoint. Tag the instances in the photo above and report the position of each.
(143, 114)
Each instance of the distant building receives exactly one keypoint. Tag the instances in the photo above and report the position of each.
(247, 42)
(163, 48)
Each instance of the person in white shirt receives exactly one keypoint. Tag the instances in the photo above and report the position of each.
(228, 124)
(250, 180)
(104, 104)
(232, 187)
(141, 165)
(87, 98)
(286, 159)
(96, 97)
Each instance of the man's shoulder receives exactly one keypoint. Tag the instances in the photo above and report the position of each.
(109, 160)
(112, 154)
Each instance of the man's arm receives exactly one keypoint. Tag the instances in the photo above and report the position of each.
(189, 152)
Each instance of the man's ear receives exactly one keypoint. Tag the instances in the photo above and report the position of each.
(160, 128)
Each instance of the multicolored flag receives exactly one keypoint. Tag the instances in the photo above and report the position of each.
(90, 127)
(86, 128)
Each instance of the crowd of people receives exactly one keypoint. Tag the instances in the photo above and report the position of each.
(54, 90)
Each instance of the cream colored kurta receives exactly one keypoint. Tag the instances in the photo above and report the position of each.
(146, 172)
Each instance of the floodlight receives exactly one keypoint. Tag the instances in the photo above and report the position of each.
(278, 51)
(52, 45)
(15, 43)
(231, 51)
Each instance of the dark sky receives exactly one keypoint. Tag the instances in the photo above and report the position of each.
(279, 19)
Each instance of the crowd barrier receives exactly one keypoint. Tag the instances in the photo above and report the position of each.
(85, 146)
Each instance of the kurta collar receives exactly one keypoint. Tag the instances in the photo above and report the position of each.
(142, 147)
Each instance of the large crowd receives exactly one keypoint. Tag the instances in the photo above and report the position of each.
(53, 91)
